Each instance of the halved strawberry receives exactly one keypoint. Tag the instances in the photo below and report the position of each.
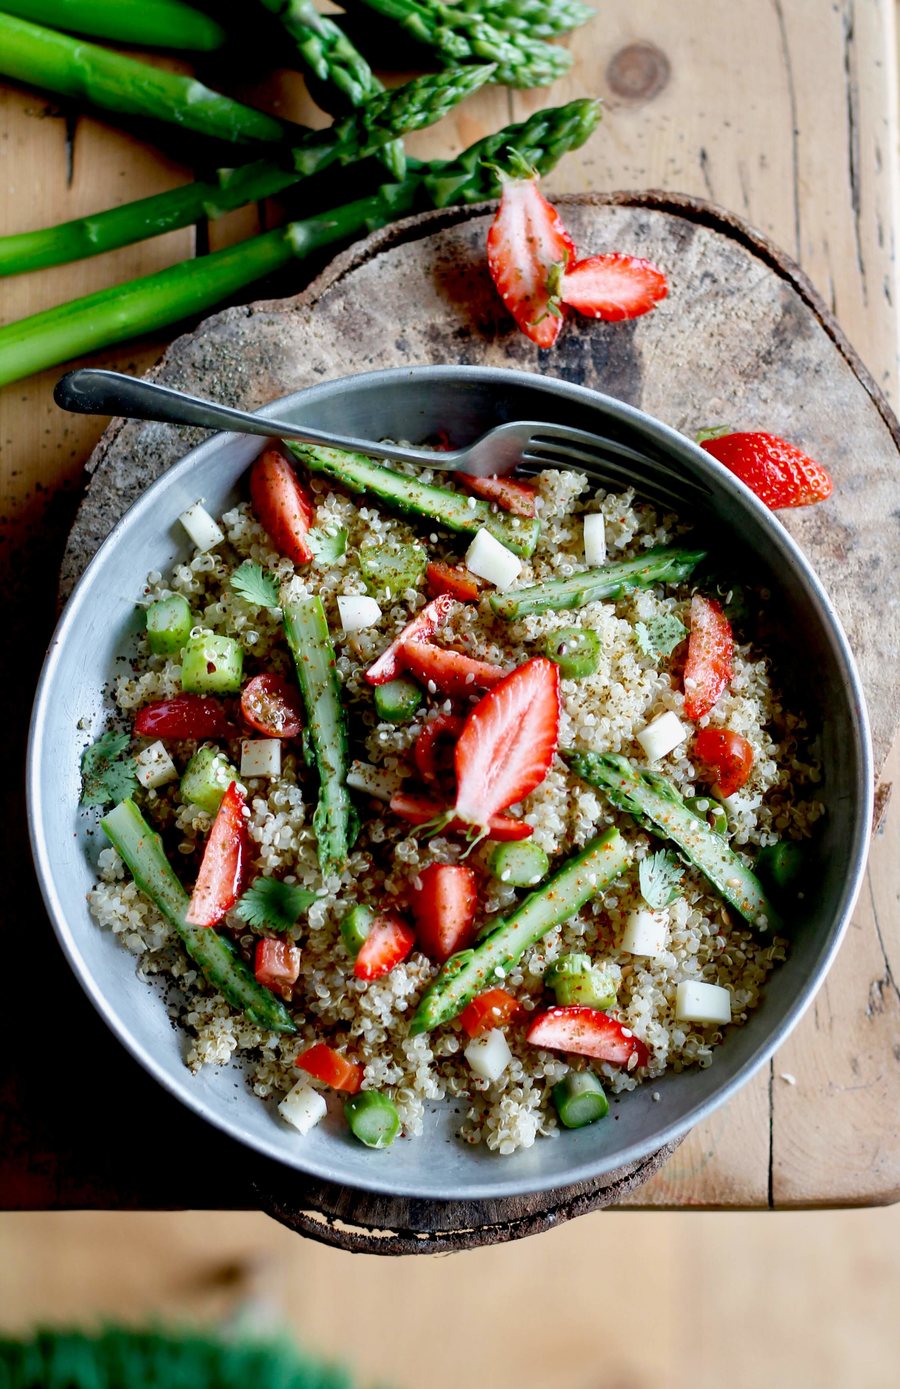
(271, 706)
(183, 716)
(778, 472)
(587, 1032)
(434, 749)
(613, 287)
(282, 506)
(508, 742)
(325, 1064)
(224, 862)
(388, 943)
(276, 964)
(727, 758)
(495, 1008)
(448, 672)
(510, 493)
(526, 241)
(710, 655)
(457, 582)
(444, 900)
(424, 625)
(423, 810)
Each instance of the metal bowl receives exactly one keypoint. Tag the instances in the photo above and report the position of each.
(414, 404)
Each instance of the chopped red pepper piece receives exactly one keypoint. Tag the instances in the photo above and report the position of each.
(325, 1064)
(496, 1008)
(510, 493)
(458, 583)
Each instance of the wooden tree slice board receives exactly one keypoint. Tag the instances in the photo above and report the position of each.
(743, 340)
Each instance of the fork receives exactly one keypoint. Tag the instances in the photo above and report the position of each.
(531, 445)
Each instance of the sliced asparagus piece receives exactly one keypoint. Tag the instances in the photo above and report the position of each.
(539, 19)
(472, 971)
(145, 23)
(142, 851)
(335, 821)
(660, 566)
(455, 511)
(658, 806)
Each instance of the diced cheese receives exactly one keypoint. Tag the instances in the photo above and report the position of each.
(380, 782)
(594, 539)
(261, 757)
(646, 932)
(489, 1055)
(704, 1003)
(200, 526)
(357, 611)
(303, 1107)
(154, 767)
(662, 736)
(490, 560)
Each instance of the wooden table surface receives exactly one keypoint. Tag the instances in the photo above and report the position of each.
(784, 112)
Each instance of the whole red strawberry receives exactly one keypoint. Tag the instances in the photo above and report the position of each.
(778, 472)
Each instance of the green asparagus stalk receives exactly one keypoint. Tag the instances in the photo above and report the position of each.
(156, 301)
(665, 564)
(458, 36)
(386, 114)
(147, 23)
(539, 19)
(113, 82)
(335, 62)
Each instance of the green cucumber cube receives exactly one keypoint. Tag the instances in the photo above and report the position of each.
(212, 665)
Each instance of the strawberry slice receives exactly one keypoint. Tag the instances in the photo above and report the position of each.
(224, 862)
(424, 625)
(727, 757)
(508, 742)
(434, 748)
(458, 583)
(526, 241)
(778, 472)
(448, 672)
(587, 1032)
(510, 493)
(493, 1009)
(444, 900)
(183, 716)
(613, 287)
(422, 810)
(388, 943)
(282, 506)
(710, 655)
(277, 964)
(324, 1063)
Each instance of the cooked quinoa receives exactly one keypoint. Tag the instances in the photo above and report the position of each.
(368, 1021)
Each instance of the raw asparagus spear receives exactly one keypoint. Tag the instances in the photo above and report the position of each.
(472, 971)
(146, 23)
(416, 104)
(335, 821)
(540, 19)
(141, 849)
(461, 37)
(455, 511)
(660, 566)
(71, 67)
(157, 301)
(660, 808)
(335, 62)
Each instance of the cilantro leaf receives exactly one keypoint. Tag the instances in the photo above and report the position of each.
(327, 548)
(253, 585)
(660, 635)
(659, 877)
(105, 775)
(270, 903)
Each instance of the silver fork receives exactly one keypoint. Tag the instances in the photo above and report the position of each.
(527, 444)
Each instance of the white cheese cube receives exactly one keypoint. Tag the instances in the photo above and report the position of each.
(594, 539)
(489, 1055)
(380, 782)
(646, 933)
(490, 560)
(200, 526)
(261, 757)
(357, 611)
(303, 1107)
(699, 1002)
(154, 767)
(661, 736)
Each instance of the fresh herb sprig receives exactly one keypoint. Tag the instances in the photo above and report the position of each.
(659, 878)
(255, 586)
(270, 904)
(107, 776)
(660, 635)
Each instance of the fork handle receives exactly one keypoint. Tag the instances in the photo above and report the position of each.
(90, 391)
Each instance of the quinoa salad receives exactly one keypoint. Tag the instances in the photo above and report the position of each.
(470, 792)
